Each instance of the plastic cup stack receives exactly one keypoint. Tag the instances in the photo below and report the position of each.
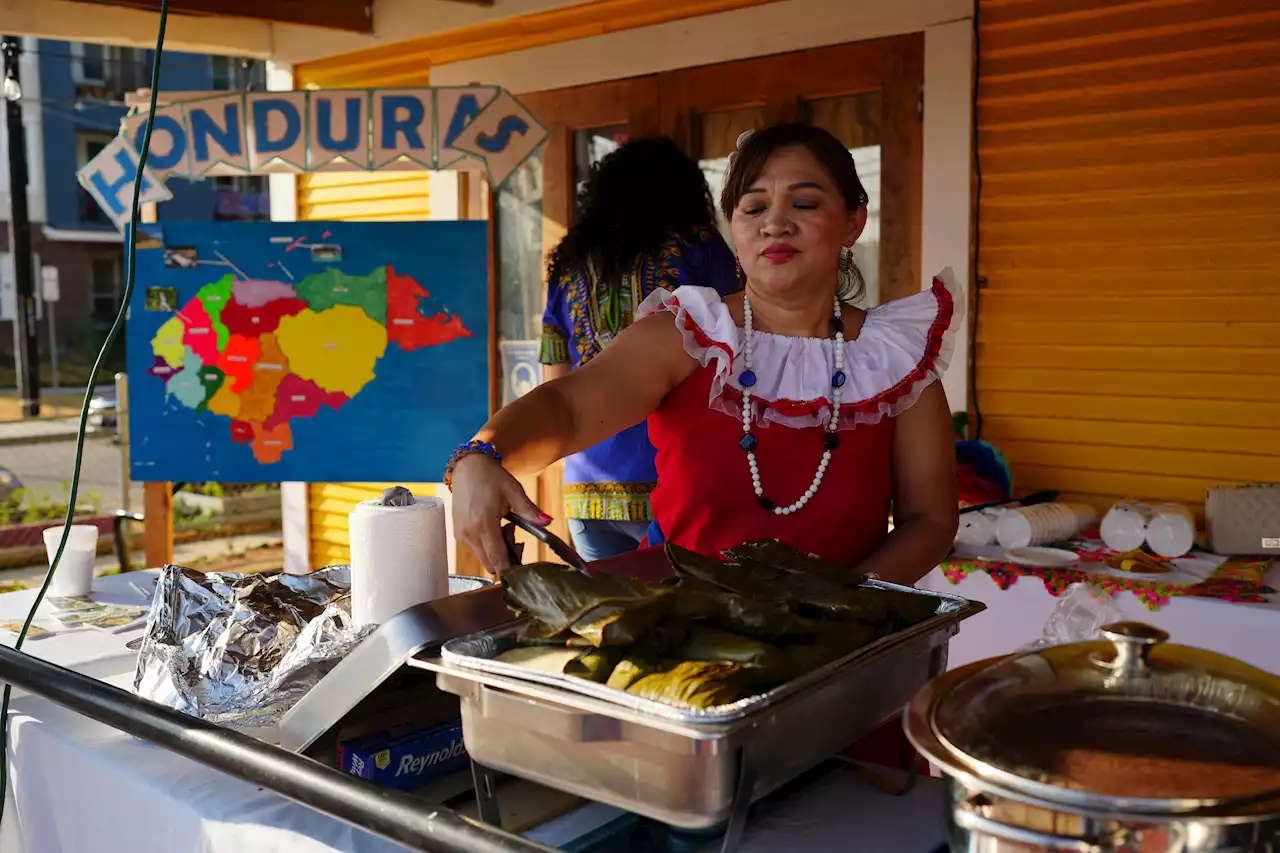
(977, 529)
(1043, 524)
(1171, 532)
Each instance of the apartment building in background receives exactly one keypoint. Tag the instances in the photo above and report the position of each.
(73, 100)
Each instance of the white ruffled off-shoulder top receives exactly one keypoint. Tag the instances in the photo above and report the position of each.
(903, 346)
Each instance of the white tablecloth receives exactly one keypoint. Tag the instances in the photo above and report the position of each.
(79, 786)
(1016, 616)
(90, 651)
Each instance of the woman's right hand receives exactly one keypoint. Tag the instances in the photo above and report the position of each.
(483, 493)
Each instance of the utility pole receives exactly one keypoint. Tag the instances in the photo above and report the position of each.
(28, 333)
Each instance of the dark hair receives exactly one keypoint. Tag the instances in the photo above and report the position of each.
(750, 159)
(632, 202)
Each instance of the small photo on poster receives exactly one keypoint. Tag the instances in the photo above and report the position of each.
(162, 299)
(326, 253)
(182, 257)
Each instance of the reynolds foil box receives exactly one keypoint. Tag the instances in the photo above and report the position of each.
(406, 760)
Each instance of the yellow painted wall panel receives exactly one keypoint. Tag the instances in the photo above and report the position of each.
(1129, 237)
(1076, 429)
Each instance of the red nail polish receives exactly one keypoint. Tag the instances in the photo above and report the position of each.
(545, 519)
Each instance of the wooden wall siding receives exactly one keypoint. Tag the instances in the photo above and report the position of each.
(363, 197)
(1129, 340)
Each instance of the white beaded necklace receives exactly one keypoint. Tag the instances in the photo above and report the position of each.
(749, 442)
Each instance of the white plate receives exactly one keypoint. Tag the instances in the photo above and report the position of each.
(1042, 558)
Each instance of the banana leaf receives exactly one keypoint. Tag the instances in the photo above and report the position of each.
(694, 684)
(596, 665)
(666, 635)
(757, 585)
(534, 633)
(834, 641)
(542, 658)
(631, 669)
(743, 616)
(732, 612)
(762, 663)
(558, 596)
(621, 623)
(774, 553)
(905, 608)
(815, 596)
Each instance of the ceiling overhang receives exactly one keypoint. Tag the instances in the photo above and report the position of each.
(352, 16)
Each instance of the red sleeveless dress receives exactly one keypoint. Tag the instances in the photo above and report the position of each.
(704, 499)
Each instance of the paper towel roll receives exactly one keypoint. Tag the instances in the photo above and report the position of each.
(399, 558)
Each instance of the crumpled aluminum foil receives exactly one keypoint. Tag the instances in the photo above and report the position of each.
(240, 650)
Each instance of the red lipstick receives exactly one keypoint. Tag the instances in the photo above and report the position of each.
(779, 253)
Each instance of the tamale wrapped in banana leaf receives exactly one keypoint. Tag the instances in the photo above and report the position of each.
(774, 553)
(595, 665)
(621, 623)
(534, 633)
(631, 669)
(543, 658)
(834, 641)
(666, 635)
(756, 586)
(558, 596)
(906, 609)
(732, 612)
(813, 595)
(695, 684)
(762, 663)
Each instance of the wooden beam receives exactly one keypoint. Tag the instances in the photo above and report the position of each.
(98, 23)
(505, 35)
(353, 16)
(157, 508)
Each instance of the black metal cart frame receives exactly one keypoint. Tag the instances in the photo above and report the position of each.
(389, 814)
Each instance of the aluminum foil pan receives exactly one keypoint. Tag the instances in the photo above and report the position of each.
(477, 652)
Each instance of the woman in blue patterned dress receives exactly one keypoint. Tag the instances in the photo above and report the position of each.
(646, 222)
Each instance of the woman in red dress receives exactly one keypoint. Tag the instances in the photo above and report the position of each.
(779, 412)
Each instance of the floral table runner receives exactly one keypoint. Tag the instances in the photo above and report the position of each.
(1236, 579)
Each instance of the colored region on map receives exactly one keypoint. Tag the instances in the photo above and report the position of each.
(264, 353)
(323, 291)
(407, 323)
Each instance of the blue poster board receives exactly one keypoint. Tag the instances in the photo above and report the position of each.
(310, 351)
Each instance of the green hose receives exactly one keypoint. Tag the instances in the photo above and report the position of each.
(84, 409)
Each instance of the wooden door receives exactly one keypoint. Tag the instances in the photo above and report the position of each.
(868, 94)
(534, 210)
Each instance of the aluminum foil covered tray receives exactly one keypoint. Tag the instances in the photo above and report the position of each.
(240, 650)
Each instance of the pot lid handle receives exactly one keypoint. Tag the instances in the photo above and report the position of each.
(1133, 641)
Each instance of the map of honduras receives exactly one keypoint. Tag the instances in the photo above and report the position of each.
(264, 353)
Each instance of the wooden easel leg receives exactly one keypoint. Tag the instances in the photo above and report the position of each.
(157, 507)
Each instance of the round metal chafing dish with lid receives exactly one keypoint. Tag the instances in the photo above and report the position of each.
(1123, 745)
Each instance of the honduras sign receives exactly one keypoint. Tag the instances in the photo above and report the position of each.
(471, 128)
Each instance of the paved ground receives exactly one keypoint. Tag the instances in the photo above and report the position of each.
(255, 553)
(47, 466)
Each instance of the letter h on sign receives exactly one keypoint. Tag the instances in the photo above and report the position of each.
(110, 177)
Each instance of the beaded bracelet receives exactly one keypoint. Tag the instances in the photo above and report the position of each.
(469, 449)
